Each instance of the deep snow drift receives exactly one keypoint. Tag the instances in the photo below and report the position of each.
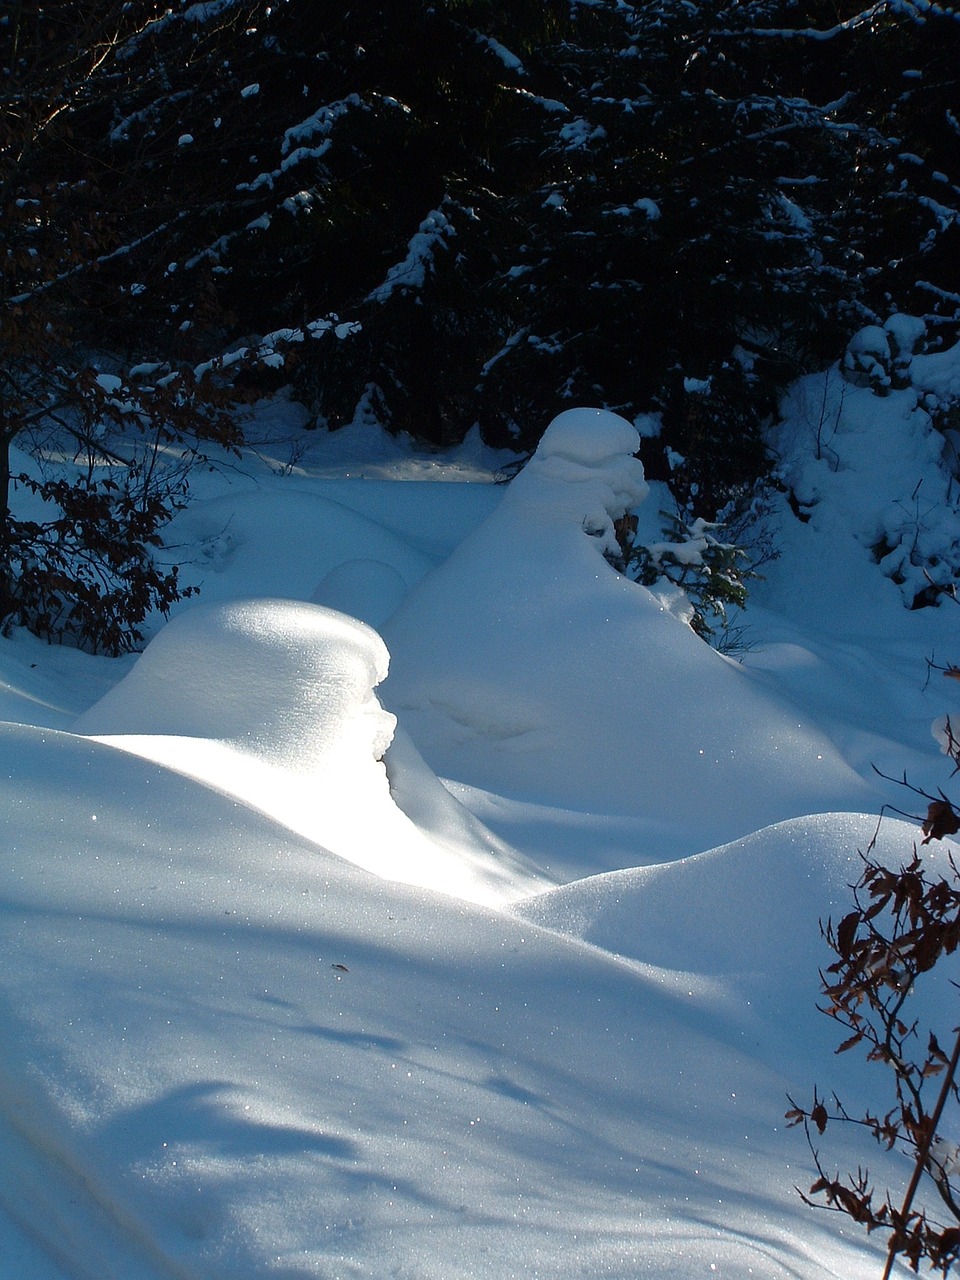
(273, 1003)
(274, 703)
(525, 666)
(233, 1055)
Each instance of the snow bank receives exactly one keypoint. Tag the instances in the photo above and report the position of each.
(870, 471)
(366, 589)
(49, 685)
(226, 1054)
(738, 927)
(526, 666)
(273, 702)
(291, 684)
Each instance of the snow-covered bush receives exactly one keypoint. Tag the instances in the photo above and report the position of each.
(867, 359)
(880, 357)
(710, 572)
(904, 334)
(871, 451)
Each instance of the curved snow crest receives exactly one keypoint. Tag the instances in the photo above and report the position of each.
(366, 589)
(588, 436)
(273, 702)
(570, 685)
(748, 907)
(584, 472)
(234, 560)
(741, 924)
(290, 683)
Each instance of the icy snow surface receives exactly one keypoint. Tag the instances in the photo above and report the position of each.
(275, 1001)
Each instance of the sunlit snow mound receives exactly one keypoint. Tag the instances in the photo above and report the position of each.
(273, 702)
(738, 928)
(526, 665)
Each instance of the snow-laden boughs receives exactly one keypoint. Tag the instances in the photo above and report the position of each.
(710, 573)
(368, 174)
(411, 274)
(486, 213)
(721, 202)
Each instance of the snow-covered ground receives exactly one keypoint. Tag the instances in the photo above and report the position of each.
(275, 1001)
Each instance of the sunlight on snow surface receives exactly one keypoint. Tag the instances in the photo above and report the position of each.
(230, 1050)
(273, 702)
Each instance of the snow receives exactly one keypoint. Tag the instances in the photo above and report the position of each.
(871, 340)
(366, 589)
(274, 702)
(875, 476)
(905, 331)
(411, 274)
(551, 648)
(590, 436)
(484, 943)
(509, 60)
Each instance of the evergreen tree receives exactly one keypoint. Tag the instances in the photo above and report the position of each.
(357, 160)
(723, 202)
(471, 211)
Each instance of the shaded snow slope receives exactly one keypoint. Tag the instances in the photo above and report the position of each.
(49, 685)
(874, 521)
(273, 702)
(245, 1058)
(236, 1045)
(366, 589)
(864, 473)
(737, 926)
(236, 555)
(526, 666)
